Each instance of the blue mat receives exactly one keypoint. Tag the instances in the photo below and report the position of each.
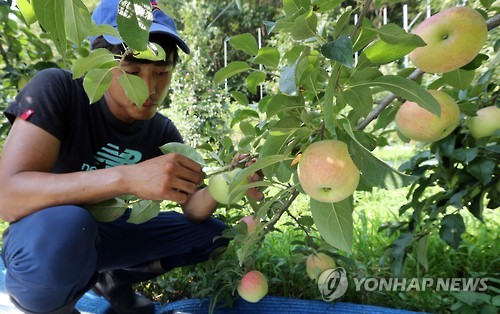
(93, 304)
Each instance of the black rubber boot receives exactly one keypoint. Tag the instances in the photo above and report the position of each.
(116, 287)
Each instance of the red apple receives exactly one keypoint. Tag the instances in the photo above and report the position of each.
(250, 222)
(252, 286)
(418, 124)
(453, 36)
(326, 171)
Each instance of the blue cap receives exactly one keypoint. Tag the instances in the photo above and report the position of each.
(107, 12)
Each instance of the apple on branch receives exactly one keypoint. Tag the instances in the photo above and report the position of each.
(419, 124)
(253, 286)
(250, 222)
(218, 186)
(326, 171)
(317, 263)
(485, 123)
(453, 36)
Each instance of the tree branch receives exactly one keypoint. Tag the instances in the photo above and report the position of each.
(490, 23)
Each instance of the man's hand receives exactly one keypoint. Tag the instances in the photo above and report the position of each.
(169, 177)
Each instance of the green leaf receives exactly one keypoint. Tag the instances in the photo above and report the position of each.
(407, 89)
(334, 222)
(288, 80)
(304, 26)
(245, 42)
(103, 29)
(243, 114)
(422, 245)
(452, 227)
(109, 210)
(380, 52)
(326, 5)
(459, 78)
(261, 163)
(96, 83)
(240, 97)
(375, 172)
(274, 146)
(27, 11)
(135, 88)
(96, 59)
(482, 169)
(399, 250)
(360, 99)
(268, 56)
(231, 69)
(78, 21)
(134, 20)
(51, 16)
(183, 149)
(292, 6)
(395, 35)
(143, 211)
(340, 50)
(154, 52)
(281, 103)
(254, 79)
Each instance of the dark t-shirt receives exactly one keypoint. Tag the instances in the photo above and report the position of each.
(91, 137)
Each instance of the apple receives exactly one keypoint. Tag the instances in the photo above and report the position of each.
(253, 286)
(316, 264)
(418, 124)
(251, 223)
(326, 172)
(218, 186)
(453, 36)
(485, 123)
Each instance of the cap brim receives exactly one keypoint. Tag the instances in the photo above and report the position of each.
(161, 29)
(154, 29)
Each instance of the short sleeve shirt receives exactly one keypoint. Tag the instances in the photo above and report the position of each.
(91, 136)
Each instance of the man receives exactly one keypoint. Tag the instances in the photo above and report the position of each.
(54, 250)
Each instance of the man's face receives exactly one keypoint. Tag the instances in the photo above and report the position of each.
(156, 75)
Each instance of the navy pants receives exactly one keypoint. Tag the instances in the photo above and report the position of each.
(53, 254)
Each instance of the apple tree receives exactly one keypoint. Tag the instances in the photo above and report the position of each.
(328, 76)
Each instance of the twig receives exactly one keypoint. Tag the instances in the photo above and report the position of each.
(277, 216)
(491, 24)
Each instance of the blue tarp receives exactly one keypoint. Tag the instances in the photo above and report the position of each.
(93, 304)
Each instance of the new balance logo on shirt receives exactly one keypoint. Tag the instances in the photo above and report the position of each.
(111, 155)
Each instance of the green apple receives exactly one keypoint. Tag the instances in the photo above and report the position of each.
(316, 264)
(485, 123)
(218, 186)
(453, 36)
(250, 222)
(421, 125)
(326, 171)
(253, 286)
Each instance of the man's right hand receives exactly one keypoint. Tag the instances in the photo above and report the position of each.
(171, 177)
